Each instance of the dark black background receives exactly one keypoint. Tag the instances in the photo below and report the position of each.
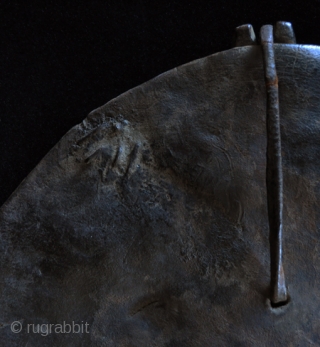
(61, 59)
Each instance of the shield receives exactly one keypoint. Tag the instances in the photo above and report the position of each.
(151, 223)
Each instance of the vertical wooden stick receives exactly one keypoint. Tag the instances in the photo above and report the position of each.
(279, 294)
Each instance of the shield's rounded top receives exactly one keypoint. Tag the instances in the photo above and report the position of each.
(149, 220)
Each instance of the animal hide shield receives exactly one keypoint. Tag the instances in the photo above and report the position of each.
(149, 220)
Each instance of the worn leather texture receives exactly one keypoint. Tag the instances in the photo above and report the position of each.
(149, 219)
